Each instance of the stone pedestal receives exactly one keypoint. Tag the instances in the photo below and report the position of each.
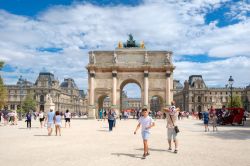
(91, 112)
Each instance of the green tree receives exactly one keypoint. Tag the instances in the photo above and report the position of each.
(237, 102)
(1, 65)
(3, 94)
(29, 103)
(3, 90)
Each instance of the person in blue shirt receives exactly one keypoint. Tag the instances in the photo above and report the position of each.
(50, 121)
(28, 119)
(101, 114)
(206, 120)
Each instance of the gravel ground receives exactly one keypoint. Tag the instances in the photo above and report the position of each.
(89, 143)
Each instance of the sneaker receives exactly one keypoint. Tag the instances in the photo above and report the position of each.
(169, 149)
(175, 151)
(148, 154)
(144, 156)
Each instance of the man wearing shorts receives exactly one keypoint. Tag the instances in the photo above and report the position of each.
(67, 118)
(172, 115)
(50, 121)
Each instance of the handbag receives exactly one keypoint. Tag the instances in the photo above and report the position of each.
(176, 129)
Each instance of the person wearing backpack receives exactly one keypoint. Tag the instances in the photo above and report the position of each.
(28, 119)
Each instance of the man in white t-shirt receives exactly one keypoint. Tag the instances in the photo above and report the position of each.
(171, 116)
(146, 123)
(67, 118)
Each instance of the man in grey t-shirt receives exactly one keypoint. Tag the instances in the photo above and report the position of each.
(171, 116)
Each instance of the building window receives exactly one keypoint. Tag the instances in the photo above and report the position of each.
(199, 99)
(12, 107)
(42, 98)
(192, 99)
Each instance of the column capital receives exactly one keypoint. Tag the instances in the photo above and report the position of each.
(146, 74)
(92, 75)
(168, 74)
(114, 73)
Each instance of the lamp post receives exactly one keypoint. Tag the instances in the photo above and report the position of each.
(21, 93)
(230, 82)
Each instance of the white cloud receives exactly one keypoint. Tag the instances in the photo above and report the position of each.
(217, 73)
(176, 25)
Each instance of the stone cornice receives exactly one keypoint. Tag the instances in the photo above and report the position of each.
(130, 68)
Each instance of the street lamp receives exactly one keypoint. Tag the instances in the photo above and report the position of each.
(230, 82)
(21, 93)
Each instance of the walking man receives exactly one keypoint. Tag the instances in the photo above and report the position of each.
(172, 115)
(111, 119)
(67, 118)
(50, 121)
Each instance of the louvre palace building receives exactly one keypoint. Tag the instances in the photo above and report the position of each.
(48, 93)
(196, 96)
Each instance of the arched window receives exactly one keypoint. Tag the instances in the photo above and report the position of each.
(199, 98)
(42, 98)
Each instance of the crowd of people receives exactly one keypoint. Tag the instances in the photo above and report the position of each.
(53, 119)
(50, 120)
(8, 117)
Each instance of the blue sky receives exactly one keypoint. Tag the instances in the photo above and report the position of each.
(208, 37)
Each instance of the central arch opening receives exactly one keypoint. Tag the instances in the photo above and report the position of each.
(130, 99)
(104, 104)
(156, 105)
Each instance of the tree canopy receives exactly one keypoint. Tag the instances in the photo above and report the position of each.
(237, 102)
(29, 103)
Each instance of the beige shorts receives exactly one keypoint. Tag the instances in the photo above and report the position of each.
(171, 134)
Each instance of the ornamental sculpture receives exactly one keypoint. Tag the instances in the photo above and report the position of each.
(92, 58)
(115, 58)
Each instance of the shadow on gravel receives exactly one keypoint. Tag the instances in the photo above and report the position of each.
(156, 150)
(231, 134)
(103, 130)
(127, 154)
(28, 128)
(41, 135)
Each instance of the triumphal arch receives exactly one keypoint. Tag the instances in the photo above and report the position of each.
(110, 71)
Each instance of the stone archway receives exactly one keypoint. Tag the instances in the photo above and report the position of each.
(103, 103)
(109, 71)
(156, 103)
(126, 82)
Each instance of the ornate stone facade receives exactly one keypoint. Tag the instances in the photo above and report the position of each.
(48, 93)
(196, 96)
(152, 71)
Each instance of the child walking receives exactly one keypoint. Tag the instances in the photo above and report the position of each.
(58, 122)
(146, 123)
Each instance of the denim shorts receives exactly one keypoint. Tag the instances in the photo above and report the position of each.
(145, 134)
(171, 134)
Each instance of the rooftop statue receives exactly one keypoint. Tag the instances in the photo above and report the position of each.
(120, 45)
(130, 42)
